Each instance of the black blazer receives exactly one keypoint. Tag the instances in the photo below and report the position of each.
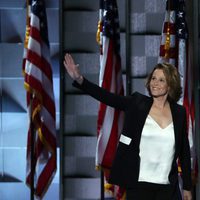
(125, 168)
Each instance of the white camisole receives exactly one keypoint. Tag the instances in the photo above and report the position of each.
(157, 147)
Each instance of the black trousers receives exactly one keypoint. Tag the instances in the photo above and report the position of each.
(151, 191)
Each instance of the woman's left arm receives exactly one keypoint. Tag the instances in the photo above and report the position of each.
(184, 156)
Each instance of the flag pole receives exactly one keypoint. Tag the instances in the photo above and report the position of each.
(102, 184)
(32, 138)
(128, 52)
(32, 151)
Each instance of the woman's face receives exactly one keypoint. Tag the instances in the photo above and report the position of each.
(158, 84)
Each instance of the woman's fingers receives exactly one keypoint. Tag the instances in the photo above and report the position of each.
(67, 59)
(69, 62)
(71, 67)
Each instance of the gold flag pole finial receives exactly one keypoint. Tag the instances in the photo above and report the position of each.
(99, 30)
(27, 24)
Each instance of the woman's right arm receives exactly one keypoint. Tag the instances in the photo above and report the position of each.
(108, 98)
(102, 95)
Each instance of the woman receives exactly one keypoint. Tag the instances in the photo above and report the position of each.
(154, 135)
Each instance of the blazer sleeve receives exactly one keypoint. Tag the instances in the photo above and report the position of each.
(185, 159)
(102, 95)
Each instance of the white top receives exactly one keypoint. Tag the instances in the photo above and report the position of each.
(157, 147)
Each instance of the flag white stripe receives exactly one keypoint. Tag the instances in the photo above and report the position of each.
(182, 66)
(34, 46)
(35, 21)
(172, 16)
(103, 60)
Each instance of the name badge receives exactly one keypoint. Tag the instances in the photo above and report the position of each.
(124, 139)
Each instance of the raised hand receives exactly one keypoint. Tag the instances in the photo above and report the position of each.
(72, 68)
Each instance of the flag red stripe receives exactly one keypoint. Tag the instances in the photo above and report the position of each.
(47, 102)
(172, 52)
(169, 27)
(40, 63)
(35, 34)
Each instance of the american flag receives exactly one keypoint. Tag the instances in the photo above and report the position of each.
(110, 78)
(38, 82)
(110, 121)
(174, 49)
